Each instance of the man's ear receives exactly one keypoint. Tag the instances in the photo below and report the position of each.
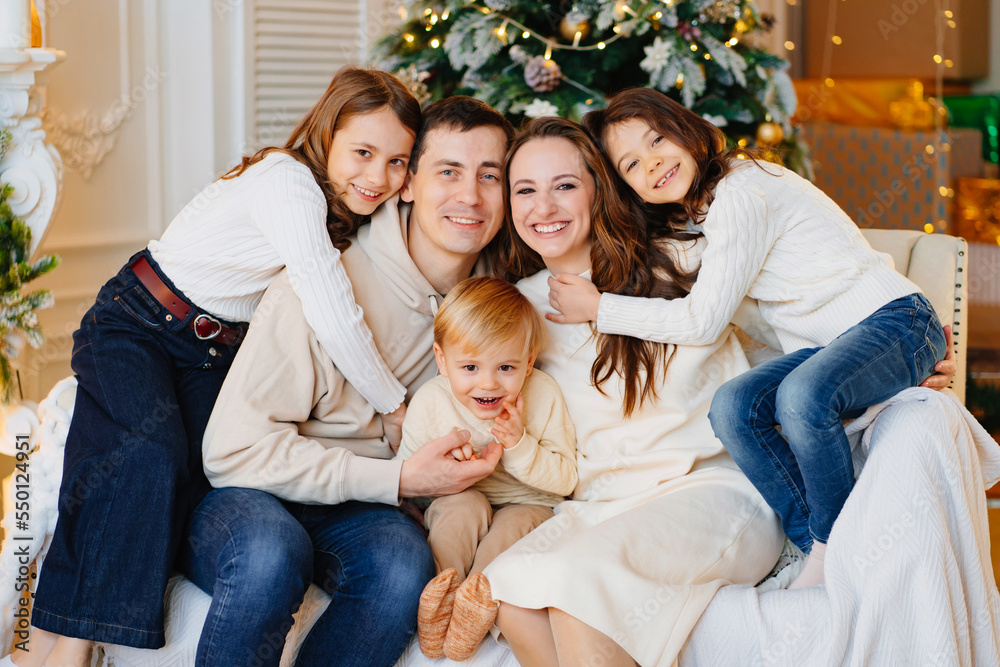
(439, 358)
(405, 193)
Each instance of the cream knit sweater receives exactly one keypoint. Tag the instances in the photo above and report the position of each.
(774, 237)
(539, 470)
(286, 421)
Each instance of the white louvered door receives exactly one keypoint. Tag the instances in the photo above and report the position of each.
(293, 49)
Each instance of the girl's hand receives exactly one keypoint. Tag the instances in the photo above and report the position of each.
(392, 424)
(946, 368)
(509, 430)
(574, 297)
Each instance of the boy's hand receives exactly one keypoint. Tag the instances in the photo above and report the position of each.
(392, 424)
(464, 453)
(576, 299)
(433, 471)
(509, 430)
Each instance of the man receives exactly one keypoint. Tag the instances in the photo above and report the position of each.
(286, 423)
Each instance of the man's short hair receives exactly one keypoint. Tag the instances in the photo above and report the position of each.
(484, 313)
(461, 113)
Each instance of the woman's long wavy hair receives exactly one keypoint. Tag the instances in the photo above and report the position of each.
(623, 261)
(705, 142)
(352, 91)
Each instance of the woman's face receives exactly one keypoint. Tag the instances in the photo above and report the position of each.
(551, 197)
(660, 171)
(368, 159)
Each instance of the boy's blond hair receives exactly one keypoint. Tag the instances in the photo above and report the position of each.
(483, 313)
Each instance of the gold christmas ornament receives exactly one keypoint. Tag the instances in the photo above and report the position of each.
(769, 134)
(568, 28)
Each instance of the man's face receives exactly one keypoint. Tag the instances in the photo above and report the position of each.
(457, 192)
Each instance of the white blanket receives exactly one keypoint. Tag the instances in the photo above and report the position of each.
(909, 579)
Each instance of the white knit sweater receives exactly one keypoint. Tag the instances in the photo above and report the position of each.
(227, 245)
(777, 238)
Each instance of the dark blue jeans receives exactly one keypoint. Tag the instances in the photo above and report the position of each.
(256, 556)
(132, 470)
(805, 472)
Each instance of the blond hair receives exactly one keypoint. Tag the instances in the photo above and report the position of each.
(484, 313)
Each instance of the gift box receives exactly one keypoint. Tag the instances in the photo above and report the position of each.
(977, 210)
(891, 179)
(897, 38)
(981, 112)
(862, 101)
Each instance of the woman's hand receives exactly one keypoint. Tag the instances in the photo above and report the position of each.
(509, 430)
(574, 297)
(392, 424)
(945, 369)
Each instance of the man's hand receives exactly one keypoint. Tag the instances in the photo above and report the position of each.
(392, 424)
(945, 369)
(510, 430)
(574, 297)
(433, 471)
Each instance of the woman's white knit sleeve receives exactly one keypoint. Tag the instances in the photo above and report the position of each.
(739, 237)
(290, 210)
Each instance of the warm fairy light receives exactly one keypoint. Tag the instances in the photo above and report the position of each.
(929, 228)
(526, 34)
(943, 191)
(484, 10)
(949, 14)
(790, 45)
(680, 80)
(435, 43)
(929, 148)
(949, 63)
(741, 142)
(502, 30)
(403, 14)
(658, 15)
(577, 37)
(428, 11)
(548, 52)
(938, 59)
(625, 8)
(708, 56)
(434, 19)
(408, 37)
(694, 47)
(741, 156)
(445, 15)
(946, 147)
(829, 82)
(837, 40)
(951, 193)
(427, 27)
(617, 29)
(601, 46)
(952, 24)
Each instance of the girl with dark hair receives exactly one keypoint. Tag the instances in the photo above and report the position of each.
(854, 331)
(661, 517)
(151, 355)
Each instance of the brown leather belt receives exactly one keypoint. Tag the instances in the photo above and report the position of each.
(205, 326)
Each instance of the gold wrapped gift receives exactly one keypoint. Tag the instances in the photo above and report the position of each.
(977, 210)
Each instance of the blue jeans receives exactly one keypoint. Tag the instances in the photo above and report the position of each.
(132, 470)
(805, 472)
(256, 556)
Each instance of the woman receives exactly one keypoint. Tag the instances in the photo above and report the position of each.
(661, 518)
(152, 353)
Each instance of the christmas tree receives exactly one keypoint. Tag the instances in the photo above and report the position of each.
(18, 320)
(535, 58)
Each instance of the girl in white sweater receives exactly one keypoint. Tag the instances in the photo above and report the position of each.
(152, 353)
(854, 331)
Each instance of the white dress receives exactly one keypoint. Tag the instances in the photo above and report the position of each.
(661, 518)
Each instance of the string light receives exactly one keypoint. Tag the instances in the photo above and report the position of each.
(435, 43)
(548, 51)
(789, 45)
(409, 38)
(837, 40)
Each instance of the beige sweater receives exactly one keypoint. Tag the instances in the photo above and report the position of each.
(539, 470)
(286, 421)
